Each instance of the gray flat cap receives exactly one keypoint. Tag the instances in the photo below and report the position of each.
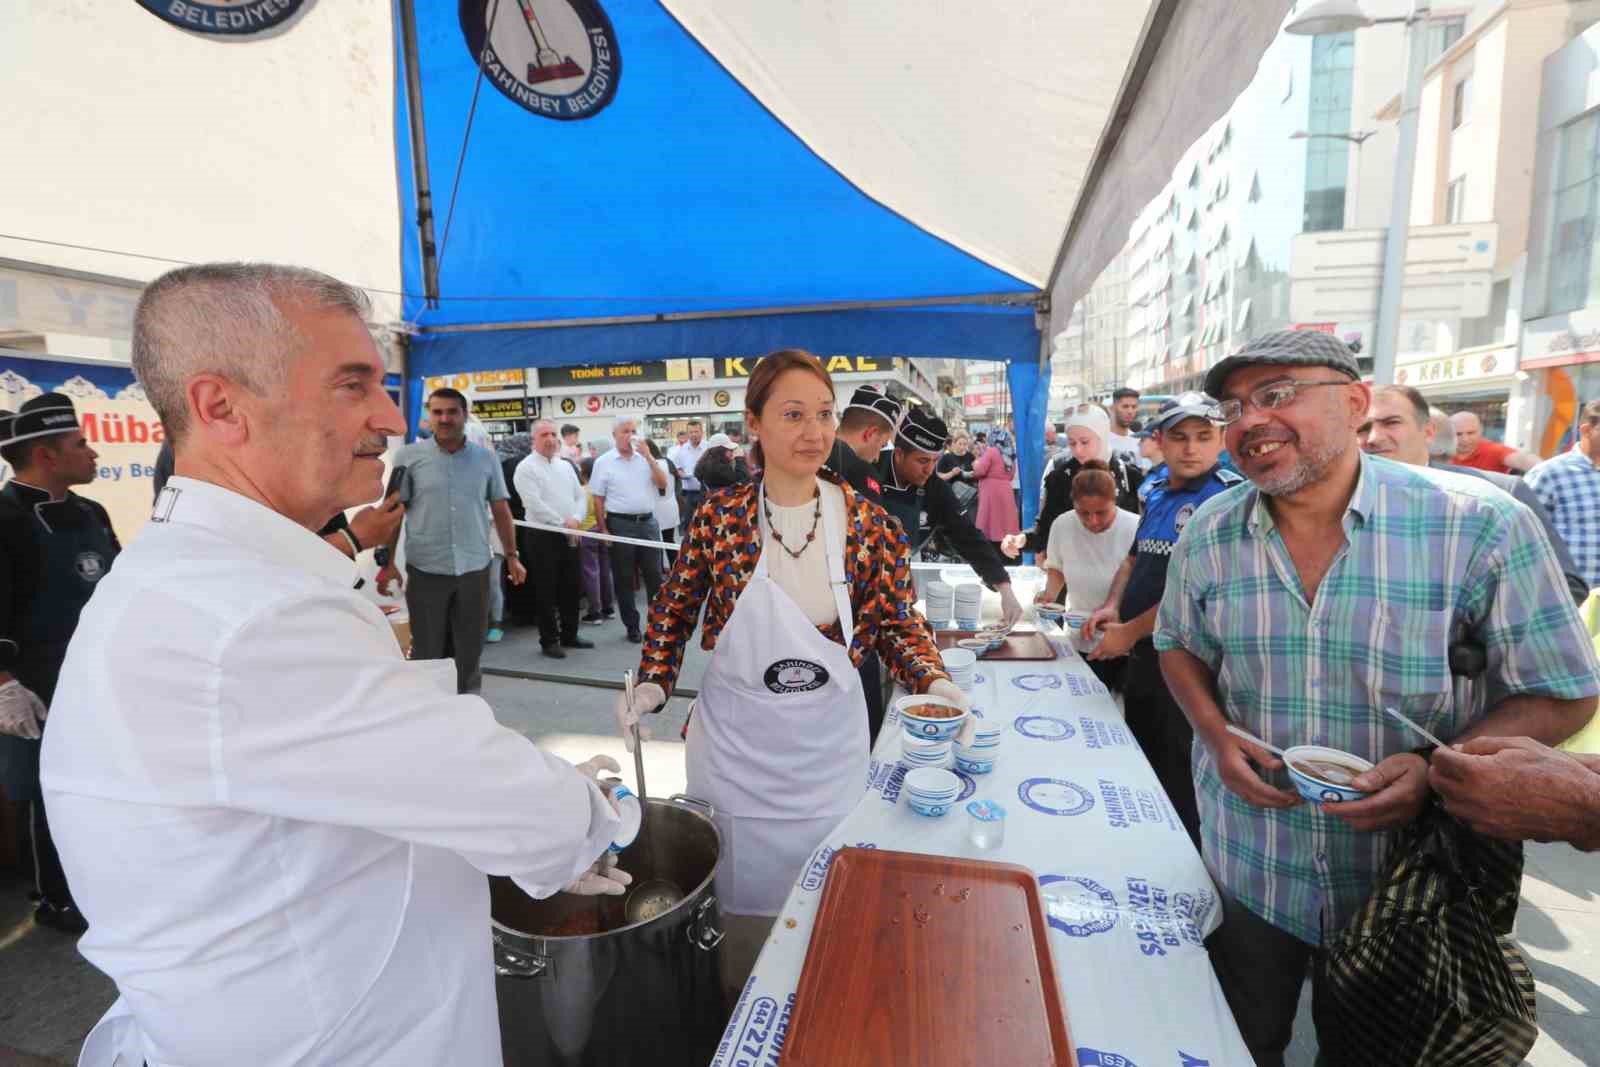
(1288, 348)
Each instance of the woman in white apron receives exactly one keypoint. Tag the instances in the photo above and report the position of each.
(801, 579)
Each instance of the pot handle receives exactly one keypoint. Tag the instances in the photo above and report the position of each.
(513, 963)
(702, 931)
(694, 802)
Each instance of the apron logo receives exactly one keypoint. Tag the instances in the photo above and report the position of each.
(555, 58)
(91, 566)
(235, 19)
(795, 676)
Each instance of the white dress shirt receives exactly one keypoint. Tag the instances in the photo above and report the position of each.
(625, 482)
(686, 457)
(277, 828)
(550, 490)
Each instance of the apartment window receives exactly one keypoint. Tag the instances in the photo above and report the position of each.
(1572, 216)
(1443, 34)
(1328, 158)
(1461, 103)
(1455, 195)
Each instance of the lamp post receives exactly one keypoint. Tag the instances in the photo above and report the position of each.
(1343, 16)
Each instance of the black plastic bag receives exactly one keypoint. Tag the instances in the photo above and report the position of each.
(1426, 974)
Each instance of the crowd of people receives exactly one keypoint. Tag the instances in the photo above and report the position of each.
(1259, 565)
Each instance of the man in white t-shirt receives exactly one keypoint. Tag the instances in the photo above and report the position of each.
(1085, 548)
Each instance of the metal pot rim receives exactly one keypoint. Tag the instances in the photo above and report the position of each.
(677, 802)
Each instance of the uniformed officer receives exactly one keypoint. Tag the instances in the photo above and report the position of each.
(866, 427)
(1188, 429)
(909, 489)
(55, 546)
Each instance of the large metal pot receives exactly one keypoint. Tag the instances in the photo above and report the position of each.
(645, 993)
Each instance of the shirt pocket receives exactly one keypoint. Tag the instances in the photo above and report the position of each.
(1411, 669)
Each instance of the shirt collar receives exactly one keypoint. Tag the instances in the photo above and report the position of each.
(32, 494)
(254, 526)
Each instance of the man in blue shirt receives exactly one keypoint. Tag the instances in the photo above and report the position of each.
(1188, 430)
(451, 486)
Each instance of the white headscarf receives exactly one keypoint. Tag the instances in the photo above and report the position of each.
(1093, 417)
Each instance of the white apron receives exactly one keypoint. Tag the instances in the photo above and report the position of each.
(778, 737)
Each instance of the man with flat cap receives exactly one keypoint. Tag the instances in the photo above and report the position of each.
(866, 427)
(55, 546)
(909, 489)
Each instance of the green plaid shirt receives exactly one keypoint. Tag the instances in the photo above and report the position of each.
(1429, 558)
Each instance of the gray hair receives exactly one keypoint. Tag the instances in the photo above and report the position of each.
(1443, 445)
(226, 319)
(616, 422)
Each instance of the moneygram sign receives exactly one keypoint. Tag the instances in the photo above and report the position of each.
(665, 401)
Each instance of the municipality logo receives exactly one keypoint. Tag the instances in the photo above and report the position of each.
(228, 19)
(91, 566)
(795, 676)
(555, 58)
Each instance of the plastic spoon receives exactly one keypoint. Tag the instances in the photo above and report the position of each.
(1393, 713)
(1241, 732)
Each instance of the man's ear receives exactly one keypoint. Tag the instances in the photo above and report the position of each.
(214, 411)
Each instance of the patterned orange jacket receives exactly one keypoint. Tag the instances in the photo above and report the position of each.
(719, 554)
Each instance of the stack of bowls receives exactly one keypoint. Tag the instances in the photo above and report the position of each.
(931, 791)
(961, 664)
(979, 757)
(968, 604)
(923, 752)
(929, 727)
(938, 602)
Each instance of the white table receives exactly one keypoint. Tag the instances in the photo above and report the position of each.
(1127, 897)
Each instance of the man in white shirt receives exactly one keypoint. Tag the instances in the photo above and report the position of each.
(551, 494)
(277, 827)
(625, 485)
(684, 456)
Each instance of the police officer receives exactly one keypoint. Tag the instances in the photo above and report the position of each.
(1189, 431)
(909, 488)
(54, 547)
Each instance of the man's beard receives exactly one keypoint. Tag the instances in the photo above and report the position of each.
(1312, 466)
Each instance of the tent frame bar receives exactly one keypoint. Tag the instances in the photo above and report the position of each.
(1018, 299)
(419, 154)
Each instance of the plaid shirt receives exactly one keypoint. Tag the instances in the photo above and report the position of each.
(719, 554)
(1429, 557)
(1569, 488)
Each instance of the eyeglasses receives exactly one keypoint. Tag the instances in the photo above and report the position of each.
(1270, 397)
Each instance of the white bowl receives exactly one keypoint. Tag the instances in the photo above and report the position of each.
(959, 659)
(932, 782)
(1317, 789)
(924, 728)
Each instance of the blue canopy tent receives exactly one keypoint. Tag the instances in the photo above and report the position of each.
(631, 199)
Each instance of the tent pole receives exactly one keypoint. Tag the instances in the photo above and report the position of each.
(419, 153)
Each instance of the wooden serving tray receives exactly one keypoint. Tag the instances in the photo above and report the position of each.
(1019, 646)
(928, 960)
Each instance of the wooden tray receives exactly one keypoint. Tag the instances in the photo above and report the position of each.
(1019, 646)
(928, 960)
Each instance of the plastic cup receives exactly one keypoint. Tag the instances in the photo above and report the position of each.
(986, 824)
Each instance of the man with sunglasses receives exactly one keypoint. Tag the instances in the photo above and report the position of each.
(1302, 605)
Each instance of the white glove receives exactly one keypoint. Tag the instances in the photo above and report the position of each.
(1010, 609)
(22, 713)
(591, 768)
(948, 690)
(647, 697)
(602, 879)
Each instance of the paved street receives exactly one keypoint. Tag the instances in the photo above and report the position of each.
(49, 997)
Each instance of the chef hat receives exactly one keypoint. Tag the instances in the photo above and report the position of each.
(872, 398)
(44, 415)
(922, 430)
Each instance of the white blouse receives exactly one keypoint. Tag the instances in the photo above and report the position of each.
(805, 579)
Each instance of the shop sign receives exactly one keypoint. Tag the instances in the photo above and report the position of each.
(694, 369)
(483, 381)
(230, 19)
(741, 366)
(40, 303)
(660, 402)
(1319, 327)
(1560, 340)
(1453, 368)
(503, 409)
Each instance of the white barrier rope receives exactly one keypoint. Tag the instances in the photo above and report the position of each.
(641, 542)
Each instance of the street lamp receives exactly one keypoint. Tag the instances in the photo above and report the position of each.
(1358, 138)
(1343, 16)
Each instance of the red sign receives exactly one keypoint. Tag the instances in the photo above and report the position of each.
(593, 404)
(1320, 327)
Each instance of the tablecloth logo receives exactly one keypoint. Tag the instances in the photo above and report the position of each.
(1097, 734)
(1078, 907)
(1032, 683)
(1127, 807)
(761, 1039)
(969, 785)
(1055, 796)
(817, 872)
(795, 676)
(227, 19)
(892, 784)
(1163, 920)
(1093, 1057)
(556, 58)
(1044, 727)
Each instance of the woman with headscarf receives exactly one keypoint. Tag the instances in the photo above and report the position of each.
(997, 505)
(1088, 437)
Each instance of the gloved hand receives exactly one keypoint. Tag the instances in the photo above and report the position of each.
(948, 690)
(591, 768)
(1010, 609)
(602, 879)
(22, 713)
(647, 697)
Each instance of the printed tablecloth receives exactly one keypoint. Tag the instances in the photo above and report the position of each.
(1127, 897)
